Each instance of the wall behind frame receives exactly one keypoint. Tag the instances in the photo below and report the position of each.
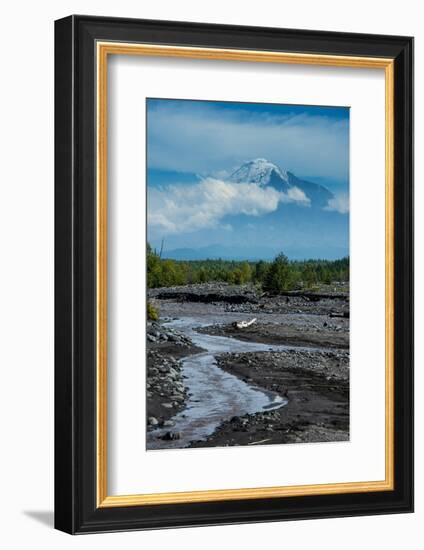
(26, 274)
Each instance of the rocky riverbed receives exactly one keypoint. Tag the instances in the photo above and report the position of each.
(294, 358)
(316, 385)
(248, 298)
(165, 389)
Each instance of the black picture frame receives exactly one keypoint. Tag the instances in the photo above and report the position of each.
(76, 509)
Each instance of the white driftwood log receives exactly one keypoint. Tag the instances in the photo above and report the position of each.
(244, 324)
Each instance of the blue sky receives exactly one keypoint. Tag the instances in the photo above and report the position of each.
(193, 146)
(207, 136)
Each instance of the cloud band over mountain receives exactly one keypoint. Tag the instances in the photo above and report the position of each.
(184, 208)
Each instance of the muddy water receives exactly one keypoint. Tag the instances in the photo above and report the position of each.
(215, 395)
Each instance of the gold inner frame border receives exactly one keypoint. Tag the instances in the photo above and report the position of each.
(103, 50)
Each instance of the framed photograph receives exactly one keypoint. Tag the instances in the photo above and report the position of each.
(234, 274)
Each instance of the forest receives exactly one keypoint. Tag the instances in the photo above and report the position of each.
(278, 275)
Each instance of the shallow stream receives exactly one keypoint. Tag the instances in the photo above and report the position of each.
(215, 395)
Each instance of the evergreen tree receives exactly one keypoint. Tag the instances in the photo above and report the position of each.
(279, 277)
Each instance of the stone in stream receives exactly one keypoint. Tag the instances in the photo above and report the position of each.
(168, 424)
(171, 436)
(153, 421)
(178, 398)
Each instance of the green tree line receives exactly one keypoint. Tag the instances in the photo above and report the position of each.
(278, 275)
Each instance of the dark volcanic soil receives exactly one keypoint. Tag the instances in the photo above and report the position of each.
(329, 335)
(316, 385)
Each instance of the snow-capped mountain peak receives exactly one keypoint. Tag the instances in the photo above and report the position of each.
(259, 171)
(262, 172)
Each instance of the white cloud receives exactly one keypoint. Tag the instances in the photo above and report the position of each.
(340, 203)
(183, 208)
(201, 138)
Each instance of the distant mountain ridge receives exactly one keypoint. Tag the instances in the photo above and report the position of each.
(251, 253)
(262, 172)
